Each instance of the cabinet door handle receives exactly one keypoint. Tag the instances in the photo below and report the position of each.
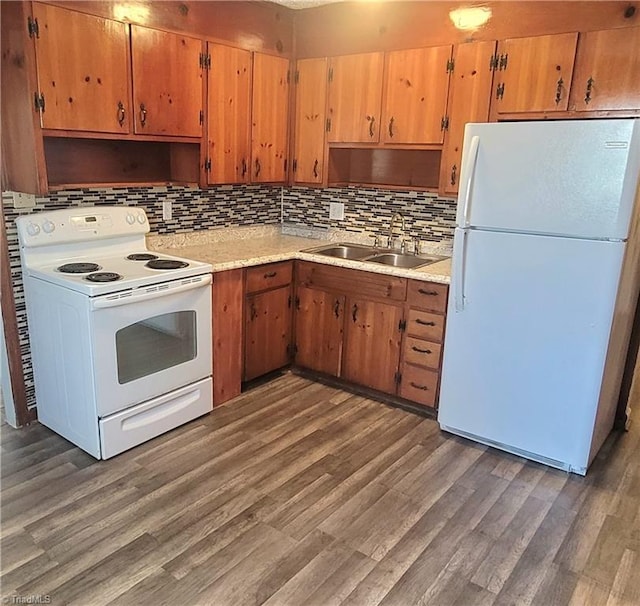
(254, 312)
(121, 113)
(423, 323)
(315, 169)
(143, 114)
(372, 120)
(271, 274)
(422, 387)
(559, 91)
(424, 351)
(587, 94)
(454, 176)
(354, 313)
(391, 120)
(257, 167)
(336, 308)
(431, 293)
(244, 167)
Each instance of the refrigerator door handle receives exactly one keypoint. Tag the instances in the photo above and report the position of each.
(459, 254)
(472, 159)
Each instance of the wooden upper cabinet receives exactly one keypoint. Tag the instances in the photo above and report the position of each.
(469, 100)
(269, 110)
(229, 120)
(355, 98)
(607, 72)
(415, 97)
(311, 100)
(83, 73)
(167, 83)
(534, 74)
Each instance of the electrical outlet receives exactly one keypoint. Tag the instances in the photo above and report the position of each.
(167, 210)
(336, 210)
(21, 200)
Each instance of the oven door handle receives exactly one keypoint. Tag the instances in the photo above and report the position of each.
(150, 292)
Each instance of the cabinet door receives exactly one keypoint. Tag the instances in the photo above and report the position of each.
(355, 98)
(269, 110)
(372, 344)
(607, 73)
(534, 74)
(319, 327)
(229, 121)
(311, 101)
(416, 87)
(469, 100)
(83, 71)
(167, 83)
(267, 333)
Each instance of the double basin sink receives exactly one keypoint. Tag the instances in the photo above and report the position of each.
(358, 252)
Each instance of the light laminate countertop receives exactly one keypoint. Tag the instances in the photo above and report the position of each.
(234, 248)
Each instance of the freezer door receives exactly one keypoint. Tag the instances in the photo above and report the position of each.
(528, 325)
(574, 177)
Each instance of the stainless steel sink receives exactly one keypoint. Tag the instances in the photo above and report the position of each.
(343, 251)
(402, 260)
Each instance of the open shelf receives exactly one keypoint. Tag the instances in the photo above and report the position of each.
(404, 168)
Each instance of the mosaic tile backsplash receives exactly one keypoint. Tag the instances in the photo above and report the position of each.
(367, 210)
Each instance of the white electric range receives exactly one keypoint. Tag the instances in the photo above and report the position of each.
(120, 336)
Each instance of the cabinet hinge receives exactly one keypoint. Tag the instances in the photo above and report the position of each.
(493, 62)
(296, 77)
(33, 27)
(503, 62)
(298, 303)
(201, 117)
(207, 165)
(289, 300)
(201, 60)
(402, 325)
(294, 166)
(205, 61)
(397, 377)
(330, 76)
(450, 66)
(286, 163)
(38, 101)
(444, 123)
(500, 91)
(328, 127)
(288, 76)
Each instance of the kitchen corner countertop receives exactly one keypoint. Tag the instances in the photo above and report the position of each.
(245, 247)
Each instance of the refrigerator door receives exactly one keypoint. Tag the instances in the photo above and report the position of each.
(528, 325)
(575, 178)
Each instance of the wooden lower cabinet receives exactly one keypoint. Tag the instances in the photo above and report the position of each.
(319, 329)
(372, 344)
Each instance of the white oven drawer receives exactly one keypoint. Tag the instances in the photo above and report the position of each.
(128, 428)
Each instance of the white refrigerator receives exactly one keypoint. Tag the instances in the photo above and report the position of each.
(543, 287)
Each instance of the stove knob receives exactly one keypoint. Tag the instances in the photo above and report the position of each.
(131, 219)
(48, 226)
(33, 229)
(141, 218)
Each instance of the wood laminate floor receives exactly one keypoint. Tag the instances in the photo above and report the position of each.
(302, 494)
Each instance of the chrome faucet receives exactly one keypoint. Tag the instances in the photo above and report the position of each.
(391, 225)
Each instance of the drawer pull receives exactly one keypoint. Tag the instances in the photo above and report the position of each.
(422, 387)
(354, 313)
(431, 293)
(336, 308)
(271, 274)
(423, 323)
(424, 351)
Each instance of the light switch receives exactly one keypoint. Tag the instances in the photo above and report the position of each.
(21, 200)
(336, 210)
(167, 211)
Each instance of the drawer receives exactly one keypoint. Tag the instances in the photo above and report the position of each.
(425, 325)
(422, 353)
(264, 277)
(427, 295)
(419, 385)
(351, 281)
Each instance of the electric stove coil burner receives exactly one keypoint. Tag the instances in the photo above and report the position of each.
(142, 257)
(78, 268)
(166, 264)
(103, 276)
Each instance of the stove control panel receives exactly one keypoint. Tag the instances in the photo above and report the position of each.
(80, 224)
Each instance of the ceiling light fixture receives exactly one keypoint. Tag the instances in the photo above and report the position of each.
(470, 18)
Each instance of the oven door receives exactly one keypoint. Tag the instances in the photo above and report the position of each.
(149, 341)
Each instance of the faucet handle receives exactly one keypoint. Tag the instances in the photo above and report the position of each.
(416, 246)
(376, 241)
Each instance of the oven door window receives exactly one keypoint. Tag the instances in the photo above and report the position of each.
(155, 344)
